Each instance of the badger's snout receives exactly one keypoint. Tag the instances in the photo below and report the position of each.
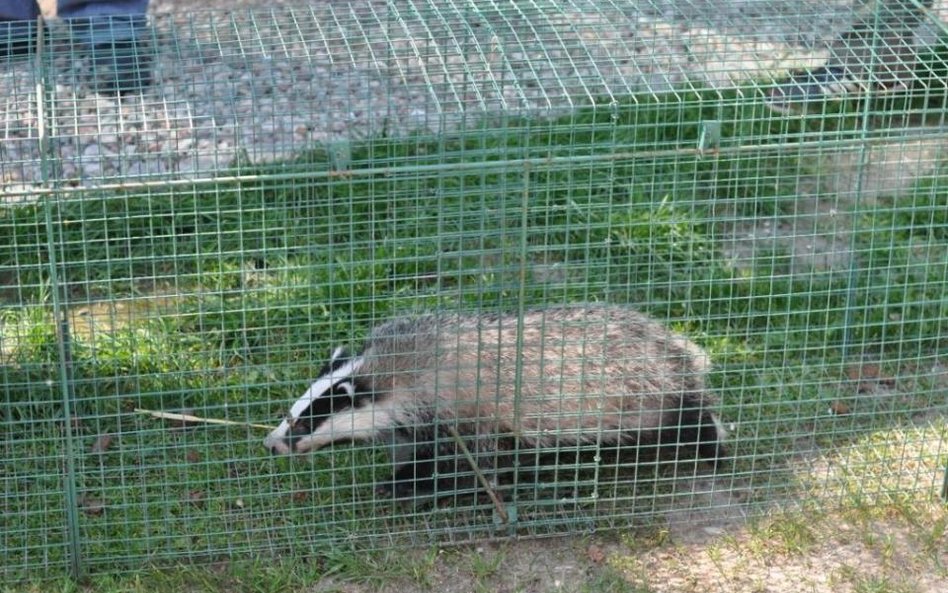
(291, 437)
(282, 441)
(277, 446)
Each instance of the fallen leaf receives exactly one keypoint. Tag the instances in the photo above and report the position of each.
(863, 372)
(868, 377)
(300, 496)
(596, 554)
(192, 456)
(196, 497)
(91, 506)
(101, 444)
(838, 408)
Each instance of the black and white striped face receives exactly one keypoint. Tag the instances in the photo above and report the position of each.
(333, 393)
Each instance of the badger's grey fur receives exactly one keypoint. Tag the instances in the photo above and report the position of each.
(563, 376)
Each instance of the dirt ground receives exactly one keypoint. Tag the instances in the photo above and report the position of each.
(846, 535)
(885, 552)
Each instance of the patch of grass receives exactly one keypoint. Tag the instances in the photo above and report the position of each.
(610, 581)
(862, 584)
(644, 538)
(269, 576)
(450, 192)
(485, 566)
(819, 547)
(353, 572)
(785, 533)
(934, 536)
(882, 467)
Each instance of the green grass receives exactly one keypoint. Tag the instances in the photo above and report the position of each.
(427, 571)
(226, 298)
(264, 577)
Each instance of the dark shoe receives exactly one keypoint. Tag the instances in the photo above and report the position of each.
(120, 49)
(812, 86)
(122, 66)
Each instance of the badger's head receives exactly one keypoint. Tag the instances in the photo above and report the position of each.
(324, 413)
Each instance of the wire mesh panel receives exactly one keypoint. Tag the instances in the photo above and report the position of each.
(594, 201)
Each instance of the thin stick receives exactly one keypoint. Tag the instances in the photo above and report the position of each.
(454, 433)
(199, 420)
(480, 476)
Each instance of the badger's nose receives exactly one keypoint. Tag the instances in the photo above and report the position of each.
(279, 449)
(278, 445)
(280, 440)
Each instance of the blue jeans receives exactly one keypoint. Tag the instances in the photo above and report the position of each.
(117, 29)
(15, 10)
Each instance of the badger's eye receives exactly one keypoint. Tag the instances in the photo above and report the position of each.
(338, 397)
(344, 388)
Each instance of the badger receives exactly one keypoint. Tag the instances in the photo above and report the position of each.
(442, 389)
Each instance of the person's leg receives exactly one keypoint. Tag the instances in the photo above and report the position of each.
(72, 8)
(108, 20)
(116, 32)
(17, 26)
(18, 10)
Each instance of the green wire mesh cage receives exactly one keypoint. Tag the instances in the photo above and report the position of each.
(766, 180)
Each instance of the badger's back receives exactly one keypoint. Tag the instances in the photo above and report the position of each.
(561, 374)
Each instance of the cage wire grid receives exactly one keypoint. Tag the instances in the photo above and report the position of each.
(295, 176)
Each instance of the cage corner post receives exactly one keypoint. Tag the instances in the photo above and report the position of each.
(944, 485)
(50, 172)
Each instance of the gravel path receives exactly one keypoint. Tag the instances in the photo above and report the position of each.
(266, 84)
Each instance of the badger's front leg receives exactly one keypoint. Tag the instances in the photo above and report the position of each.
(413, 465)
(425, 464)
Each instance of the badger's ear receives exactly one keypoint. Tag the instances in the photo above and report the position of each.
(346, 388)
(339, 356)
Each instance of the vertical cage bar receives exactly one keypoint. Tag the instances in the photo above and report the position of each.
(48, 171)
(522, 264)
(858, 203)
(944, 485)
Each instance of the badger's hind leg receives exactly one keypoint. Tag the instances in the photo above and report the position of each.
(696, 430)
(711, 439)
(488, 455)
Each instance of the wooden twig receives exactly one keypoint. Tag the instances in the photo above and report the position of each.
(454, 433)
(199, 420)
(480, 476)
